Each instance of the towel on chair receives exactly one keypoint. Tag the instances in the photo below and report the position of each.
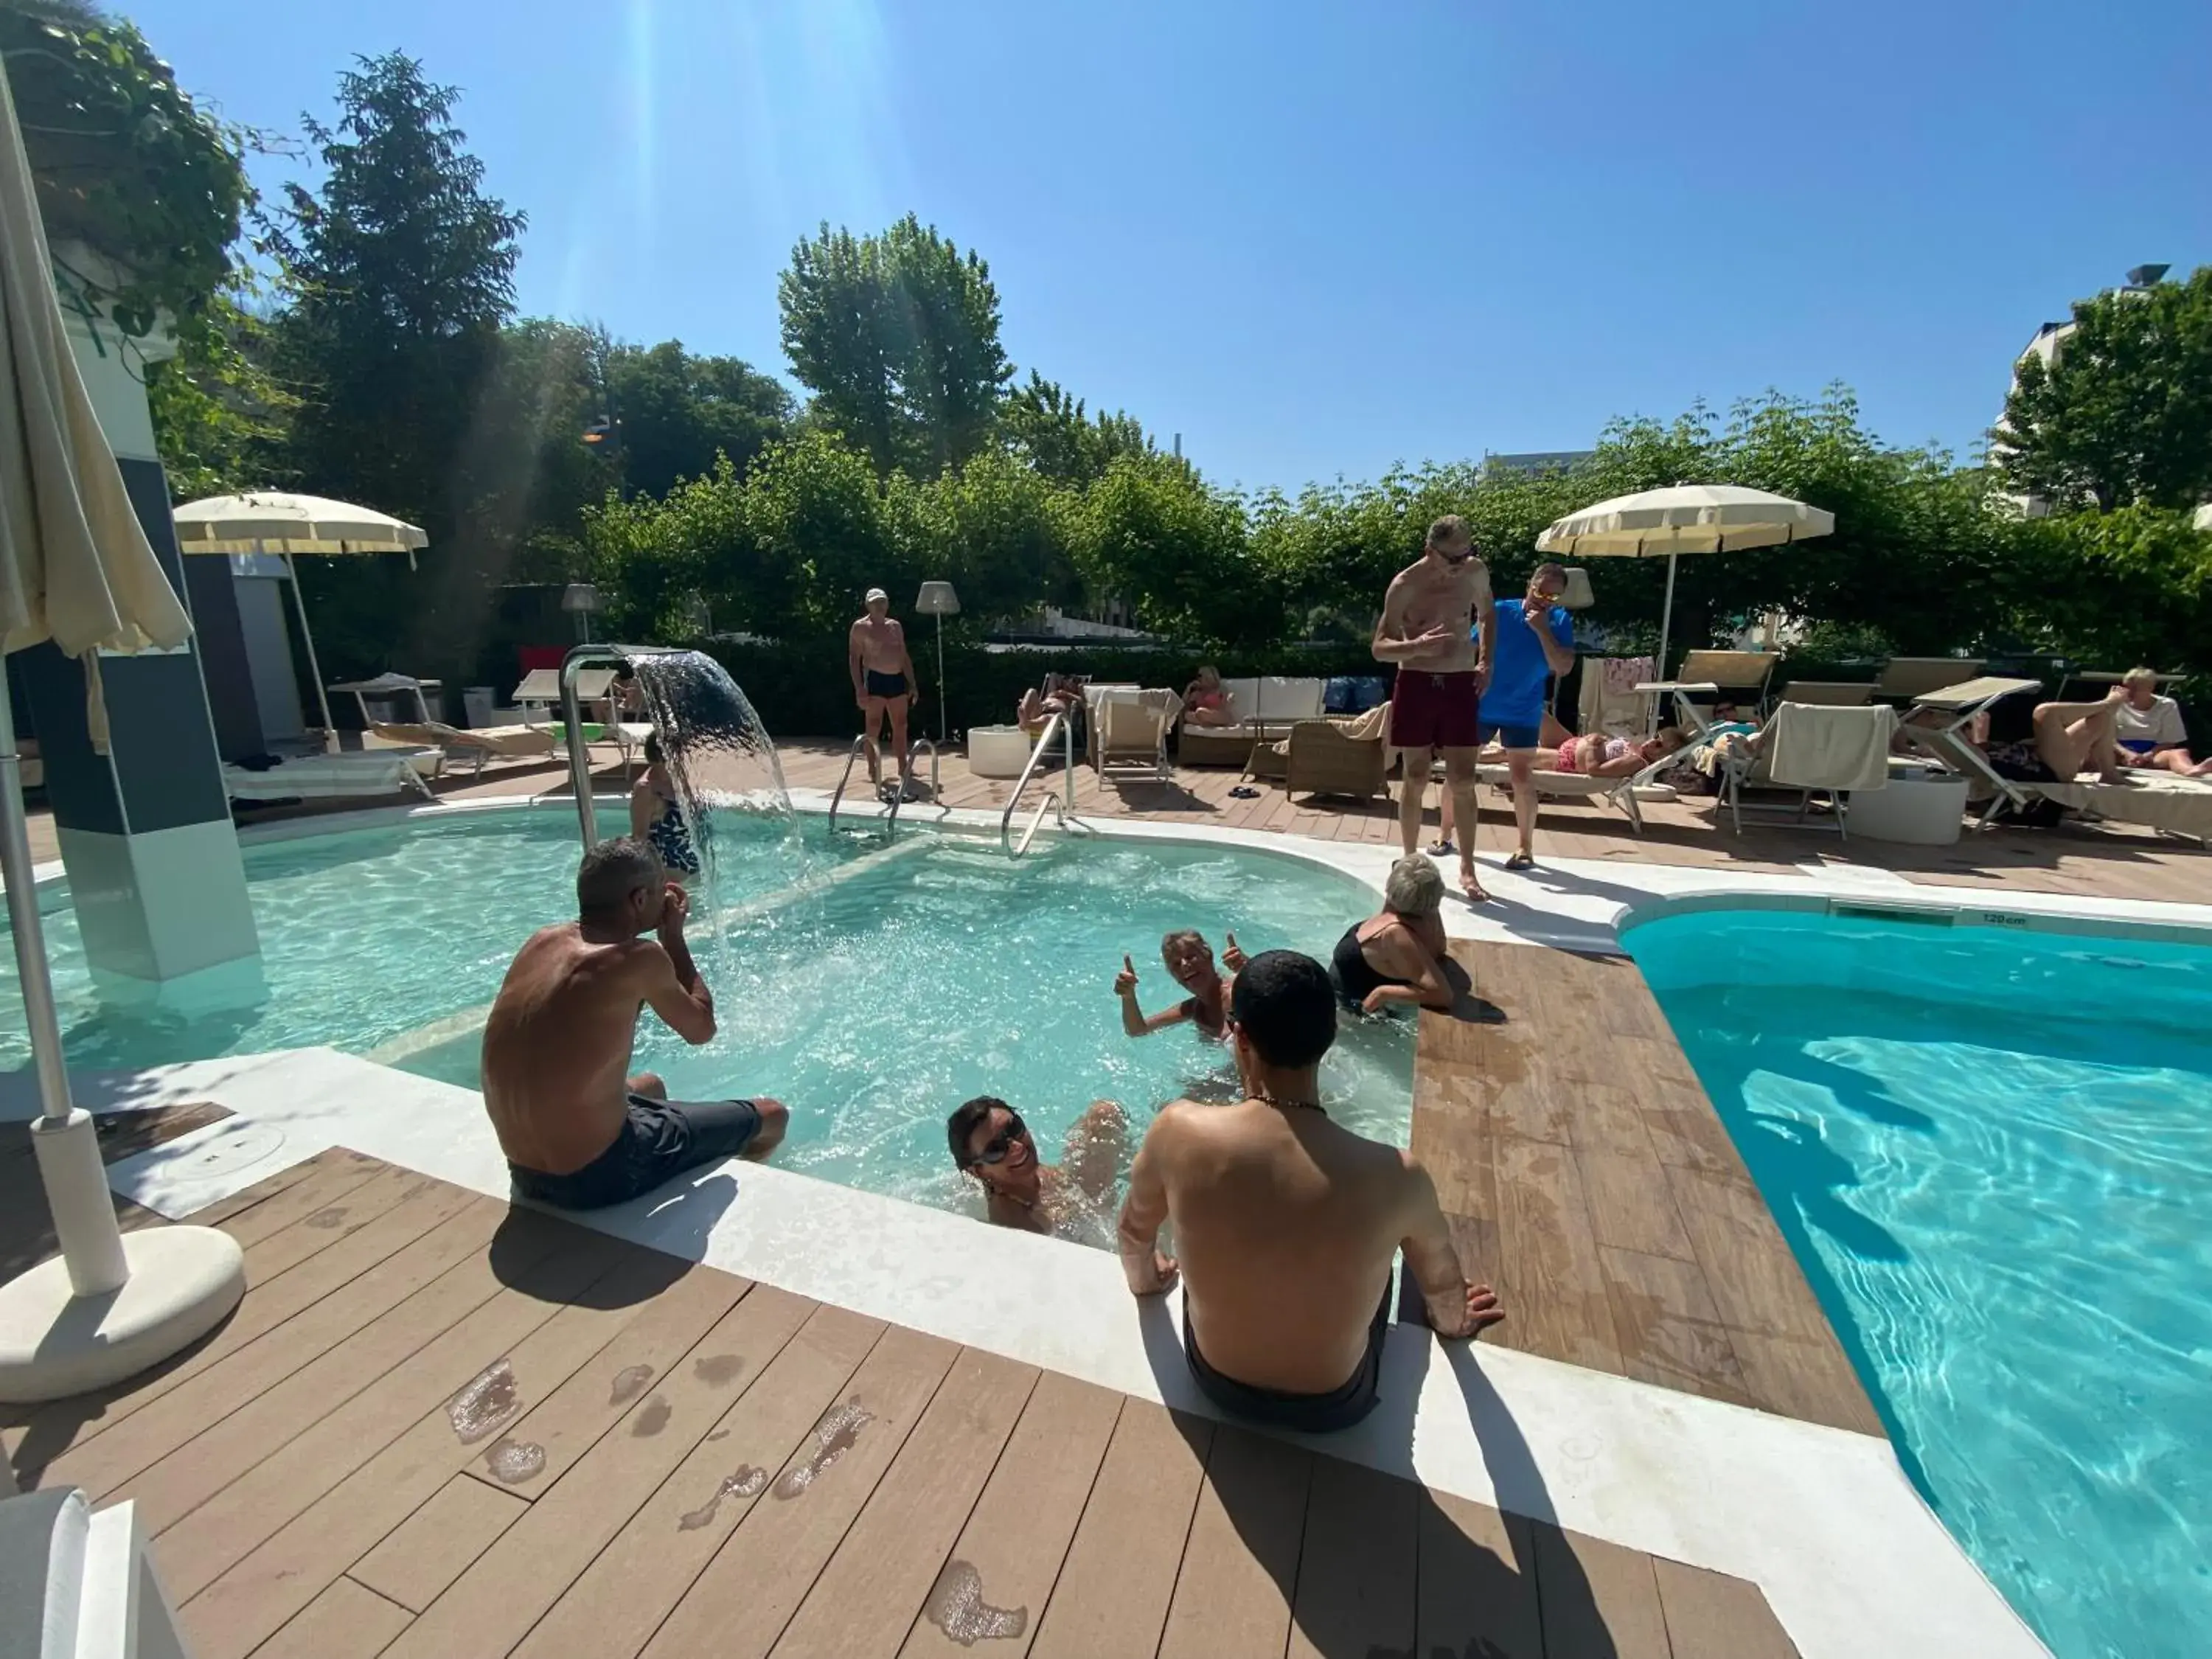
(1811, 746)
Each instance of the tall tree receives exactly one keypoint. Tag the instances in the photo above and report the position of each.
(2124, 413)
(401, 270)
(678, 412)
(1054, 433)
(897, 337)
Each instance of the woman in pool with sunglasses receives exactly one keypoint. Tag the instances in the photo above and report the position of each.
(1074, 1200)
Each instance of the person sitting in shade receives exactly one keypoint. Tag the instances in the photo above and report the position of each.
(2149, 730)
(1286, 1223)
(992, 1146)
(1395, 958)
(1205, 701)
(657, 819)
(1189, 961)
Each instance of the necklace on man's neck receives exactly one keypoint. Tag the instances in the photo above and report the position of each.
(1281, 1104)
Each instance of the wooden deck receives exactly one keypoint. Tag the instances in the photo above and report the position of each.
(1587, 1173)
(437, 1426)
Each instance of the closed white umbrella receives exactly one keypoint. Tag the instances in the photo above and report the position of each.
(1684, 518)
(74, 567)
(277, 521)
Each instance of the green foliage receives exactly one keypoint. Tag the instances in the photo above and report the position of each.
(678, 412)
(2132, 586)
(2125, 413)
(221, 417)
(1050, 430)
(897, 337)
(1151, 530)
(124, 163)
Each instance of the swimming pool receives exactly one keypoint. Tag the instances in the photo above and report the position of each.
(872, 986)
(1991, 1151)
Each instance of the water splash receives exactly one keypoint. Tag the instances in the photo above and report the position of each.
(721, 759)
(957, 1607)
(833, 1435)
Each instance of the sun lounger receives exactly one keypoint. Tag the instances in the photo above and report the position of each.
(2164, 801)
(336, 777)
(1736, 676)
(479, 744)
(1130, 733)
(1954, 708)
(1830, 693)
(1625, 792)
(541, 688)
(1814, 749)
(1323, 758)
(1906, 679)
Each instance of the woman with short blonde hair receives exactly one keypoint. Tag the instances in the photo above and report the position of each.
(1396, 956)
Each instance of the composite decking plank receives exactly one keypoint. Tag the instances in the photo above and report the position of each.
(1240, 1568)
(416, 1563)
(1356, 1589)
(356, 1502)
(490, 1607)
(1709, 1611)
(226, 1412)
(735, 1611)
(1670, 1333)
(1548, 1257)
(1019, 1531)
(1598, 1601)
(348, 1620)
(893, 1558)
(616, 1604)
(274, 1491)
(1476, 1578)
(1111, 1599)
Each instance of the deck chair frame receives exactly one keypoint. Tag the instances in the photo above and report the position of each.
(1947, 743)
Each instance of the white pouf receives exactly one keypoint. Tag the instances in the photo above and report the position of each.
(997, 752)
(1918, 808)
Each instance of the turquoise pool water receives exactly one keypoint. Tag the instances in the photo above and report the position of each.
(872, 989)
(1992, 1152)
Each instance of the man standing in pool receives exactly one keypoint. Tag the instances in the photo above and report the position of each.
(1287, 1224)
(578, 1130)
(883, 682)
(1439, 627)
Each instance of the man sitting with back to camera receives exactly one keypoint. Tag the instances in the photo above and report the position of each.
(1286, 1223)
(579, 1132)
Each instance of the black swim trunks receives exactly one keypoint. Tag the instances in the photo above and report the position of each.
(887, 685)
(658, 1141)
(1307, 1414)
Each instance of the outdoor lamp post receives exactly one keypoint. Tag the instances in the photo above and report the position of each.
(580, 599)
(938, 600)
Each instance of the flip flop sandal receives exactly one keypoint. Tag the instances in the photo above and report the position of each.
(1441, 848)
(1243, 793)
(1520, 861)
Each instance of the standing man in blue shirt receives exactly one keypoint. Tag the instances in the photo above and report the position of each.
(1535, 641)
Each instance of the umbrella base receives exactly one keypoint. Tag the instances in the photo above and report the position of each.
(183, 1282)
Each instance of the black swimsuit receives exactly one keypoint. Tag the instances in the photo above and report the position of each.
(1355, 977)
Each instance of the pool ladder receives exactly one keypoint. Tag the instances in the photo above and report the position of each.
(860, 747)
(1065, 800)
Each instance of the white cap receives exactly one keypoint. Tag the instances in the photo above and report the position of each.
(875, 594)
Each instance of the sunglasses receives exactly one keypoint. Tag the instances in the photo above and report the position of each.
(1450, 557)
(994, 1150)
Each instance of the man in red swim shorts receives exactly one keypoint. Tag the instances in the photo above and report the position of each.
(1438, 625)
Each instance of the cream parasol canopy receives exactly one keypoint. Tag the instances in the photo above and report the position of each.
(1683, 518)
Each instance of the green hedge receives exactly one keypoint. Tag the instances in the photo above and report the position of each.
(805, 690)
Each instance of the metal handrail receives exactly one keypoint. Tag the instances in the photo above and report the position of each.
(572, 721)
(906, 774)
(1067, 729)
(852, 756)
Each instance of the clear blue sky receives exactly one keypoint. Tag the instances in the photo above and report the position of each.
(1317, 237)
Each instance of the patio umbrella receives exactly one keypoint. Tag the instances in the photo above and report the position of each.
(74, 567)
(274, 521)
(1686, 519)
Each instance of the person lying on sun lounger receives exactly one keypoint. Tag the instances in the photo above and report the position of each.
(1204, 701)
(2149, 729)
(1600, 756)
(1550, 733)
(1189, 961)
(992, 1146)
(2066, 739)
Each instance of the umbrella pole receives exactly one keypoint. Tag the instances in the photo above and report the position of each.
(1667, 617)
(315, 669)
(67, 1146)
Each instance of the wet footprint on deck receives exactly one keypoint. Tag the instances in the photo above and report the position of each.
(833, 1435)
(629, 1382)
(513, 1461)
(957, 1607)
(485, 1405)
(746, 1480)
(652, 1418)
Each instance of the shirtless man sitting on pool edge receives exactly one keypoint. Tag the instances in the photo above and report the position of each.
(579, 1132)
